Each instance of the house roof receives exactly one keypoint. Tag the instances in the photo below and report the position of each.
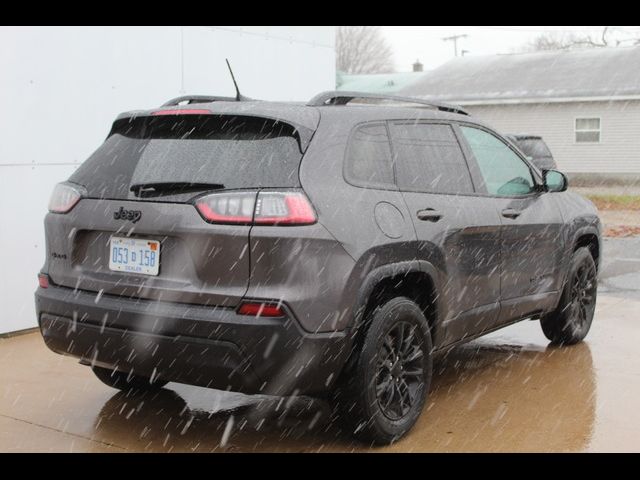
(564, 75)
(377, 83)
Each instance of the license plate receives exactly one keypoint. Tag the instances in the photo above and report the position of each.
(134, 255)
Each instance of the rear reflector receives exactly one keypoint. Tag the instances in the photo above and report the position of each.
(255, 309)
(182, 111)
(43, 280)
(251, 208)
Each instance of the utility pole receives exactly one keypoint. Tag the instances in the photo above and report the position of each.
(454, 39)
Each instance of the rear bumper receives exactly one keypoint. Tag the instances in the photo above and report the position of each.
(199, 345)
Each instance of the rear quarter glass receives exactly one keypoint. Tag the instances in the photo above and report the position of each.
(231, 150)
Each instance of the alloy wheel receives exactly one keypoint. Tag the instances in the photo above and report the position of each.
(583, 295)
(400, 370)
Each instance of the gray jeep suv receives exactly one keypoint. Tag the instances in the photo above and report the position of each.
(328, 249)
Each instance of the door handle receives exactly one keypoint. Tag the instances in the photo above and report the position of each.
(510, 213)
(429, 215)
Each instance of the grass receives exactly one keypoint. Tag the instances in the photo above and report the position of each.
(616, 202)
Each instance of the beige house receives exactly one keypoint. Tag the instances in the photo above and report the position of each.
(584, 103)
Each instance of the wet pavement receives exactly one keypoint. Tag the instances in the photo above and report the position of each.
(620, 270)
(508, 391)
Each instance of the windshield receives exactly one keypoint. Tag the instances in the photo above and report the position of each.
(232, 151)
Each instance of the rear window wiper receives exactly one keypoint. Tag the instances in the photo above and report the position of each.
(166, 188)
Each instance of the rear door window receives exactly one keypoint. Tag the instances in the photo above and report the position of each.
(232, 151)
(429, 159)
(368, 160)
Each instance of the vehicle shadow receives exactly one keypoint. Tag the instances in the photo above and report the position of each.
(486, 396)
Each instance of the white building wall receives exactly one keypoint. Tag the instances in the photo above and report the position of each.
(61, 88)
(619, 147)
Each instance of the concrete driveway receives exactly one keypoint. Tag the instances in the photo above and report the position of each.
(509, 391)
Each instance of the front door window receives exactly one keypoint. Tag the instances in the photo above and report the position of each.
(504, 173)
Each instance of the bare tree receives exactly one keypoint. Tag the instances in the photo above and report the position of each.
(609, 37)
(363, 50)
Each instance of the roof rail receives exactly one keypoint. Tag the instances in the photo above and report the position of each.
(342, 98)
(197, 99)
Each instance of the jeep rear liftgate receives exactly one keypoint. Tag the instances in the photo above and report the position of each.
(163, 209)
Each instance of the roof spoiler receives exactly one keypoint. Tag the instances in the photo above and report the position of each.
(343, 98)
(188, 99)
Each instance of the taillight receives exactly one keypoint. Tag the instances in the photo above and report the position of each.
(232, 207)
(264, 208)
(64, 197)
(283, 208)
(43, 280)
(256, 309)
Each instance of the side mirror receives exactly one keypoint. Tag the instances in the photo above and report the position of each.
(555, 181)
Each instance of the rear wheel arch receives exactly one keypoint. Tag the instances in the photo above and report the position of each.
(415, 280)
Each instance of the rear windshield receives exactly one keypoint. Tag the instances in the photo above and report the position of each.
(534, 148)
(229, 151)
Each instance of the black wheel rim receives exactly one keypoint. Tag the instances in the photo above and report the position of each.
(400, 372)
(583, 296)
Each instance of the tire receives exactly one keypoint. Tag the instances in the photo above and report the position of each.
(571, 321)
(126, 382)
(379, 397)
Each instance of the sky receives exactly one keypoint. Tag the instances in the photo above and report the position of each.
(426, 44)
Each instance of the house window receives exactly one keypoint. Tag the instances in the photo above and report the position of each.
(587, 130)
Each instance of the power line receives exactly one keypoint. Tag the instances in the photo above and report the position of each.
(289, 39)
(550, 30)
